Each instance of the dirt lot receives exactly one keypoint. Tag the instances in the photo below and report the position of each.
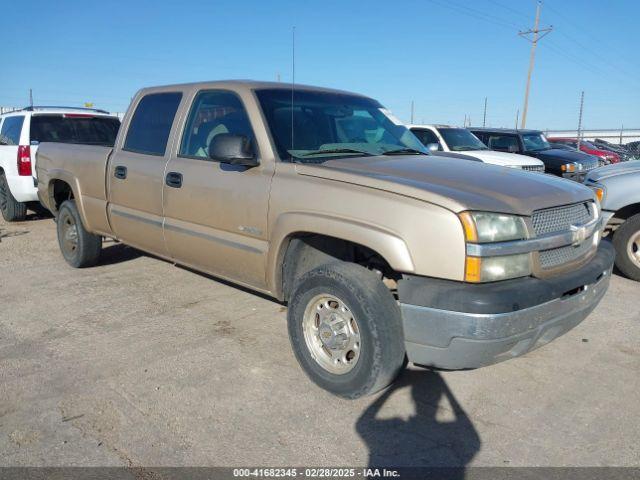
(138, 362)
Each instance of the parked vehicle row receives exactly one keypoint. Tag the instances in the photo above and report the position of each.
(533, 143)
(20, 134)
(324, 200)
(606, 157)
(443, 138)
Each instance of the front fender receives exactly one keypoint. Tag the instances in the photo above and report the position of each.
(392, 248)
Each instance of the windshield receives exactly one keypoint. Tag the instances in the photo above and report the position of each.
(534, 142)
(461, 140)
(325, 125)
(75, 128)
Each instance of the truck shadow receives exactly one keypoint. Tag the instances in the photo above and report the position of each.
(439, 433)
(114, 253)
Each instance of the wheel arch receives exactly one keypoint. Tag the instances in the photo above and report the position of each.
(63, 186)
(303, 241)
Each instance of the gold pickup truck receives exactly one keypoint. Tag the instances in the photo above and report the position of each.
(324, 200)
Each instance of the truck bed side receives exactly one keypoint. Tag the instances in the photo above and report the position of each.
(80, 169)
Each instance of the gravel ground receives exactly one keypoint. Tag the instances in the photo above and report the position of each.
(138, 362)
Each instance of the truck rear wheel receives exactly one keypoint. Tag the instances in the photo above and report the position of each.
(345, 329)
(626, 241)
(79, 248)
(12, 210)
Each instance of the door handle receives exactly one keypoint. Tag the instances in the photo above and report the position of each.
(120, 172)
(174, 179)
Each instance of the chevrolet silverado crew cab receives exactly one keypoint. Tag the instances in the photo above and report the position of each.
(573, 165)
(324, 200)
(21, 132)
(460, 140)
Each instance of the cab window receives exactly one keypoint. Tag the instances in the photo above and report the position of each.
(213, 113)
(151, 123)
(425, 136)
(505, 143)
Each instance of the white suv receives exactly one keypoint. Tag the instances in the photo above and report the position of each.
(461, 140)
(20, 133)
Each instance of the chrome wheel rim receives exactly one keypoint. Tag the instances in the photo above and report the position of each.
(332, 334)
(633, 248)
(69, 237)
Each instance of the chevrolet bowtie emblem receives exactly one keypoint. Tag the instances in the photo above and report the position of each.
(578, 234)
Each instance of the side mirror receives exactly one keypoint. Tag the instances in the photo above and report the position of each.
(433, 147)
(233, 149)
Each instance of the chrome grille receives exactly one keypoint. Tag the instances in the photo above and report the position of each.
(559, 256)
(560, 219)
(533, 168)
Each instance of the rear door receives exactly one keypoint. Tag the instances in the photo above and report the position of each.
(135, 173)
(216, 213)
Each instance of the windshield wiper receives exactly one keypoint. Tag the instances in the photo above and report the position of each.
(338, 150)
(404, 151)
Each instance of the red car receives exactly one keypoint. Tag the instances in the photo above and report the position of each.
(606, 156)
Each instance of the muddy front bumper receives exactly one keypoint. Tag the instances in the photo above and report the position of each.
(496, 322)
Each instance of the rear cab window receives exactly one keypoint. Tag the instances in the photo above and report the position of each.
(11, 130)
(84, 129)
(151, 124)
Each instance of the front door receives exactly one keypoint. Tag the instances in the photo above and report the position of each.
(216, 213)
(135, 174)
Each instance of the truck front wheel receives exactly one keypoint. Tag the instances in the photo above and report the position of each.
(12, 210)
(345, 329)
(626, 241)
(79, 248)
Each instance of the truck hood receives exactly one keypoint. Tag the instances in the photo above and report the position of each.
(557, 156)
(503, 158)
(616, 169)
(457, 186)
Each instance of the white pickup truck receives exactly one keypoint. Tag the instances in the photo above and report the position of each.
(460, 140)
(23, 130)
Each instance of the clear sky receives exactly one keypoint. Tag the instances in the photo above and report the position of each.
(445, 55)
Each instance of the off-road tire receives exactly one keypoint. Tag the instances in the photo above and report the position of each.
(12, 210)
(86, 251)
(621, 239)
(382, 352)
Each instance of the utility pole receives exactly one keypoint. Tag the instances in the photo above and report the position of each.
(30, 98)
(484, 116)
(517, 115)
(538, 34)
(411, 112)
(580, 119)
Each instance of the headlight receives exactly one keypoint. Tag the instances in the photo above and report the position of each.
(492, 269)
(483, 227)
(568, 167)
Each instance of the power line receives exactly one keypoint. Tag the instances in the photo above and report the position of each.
(475, 14)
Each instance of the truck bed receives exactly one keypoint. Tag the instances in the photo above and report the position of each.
(70, 162)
